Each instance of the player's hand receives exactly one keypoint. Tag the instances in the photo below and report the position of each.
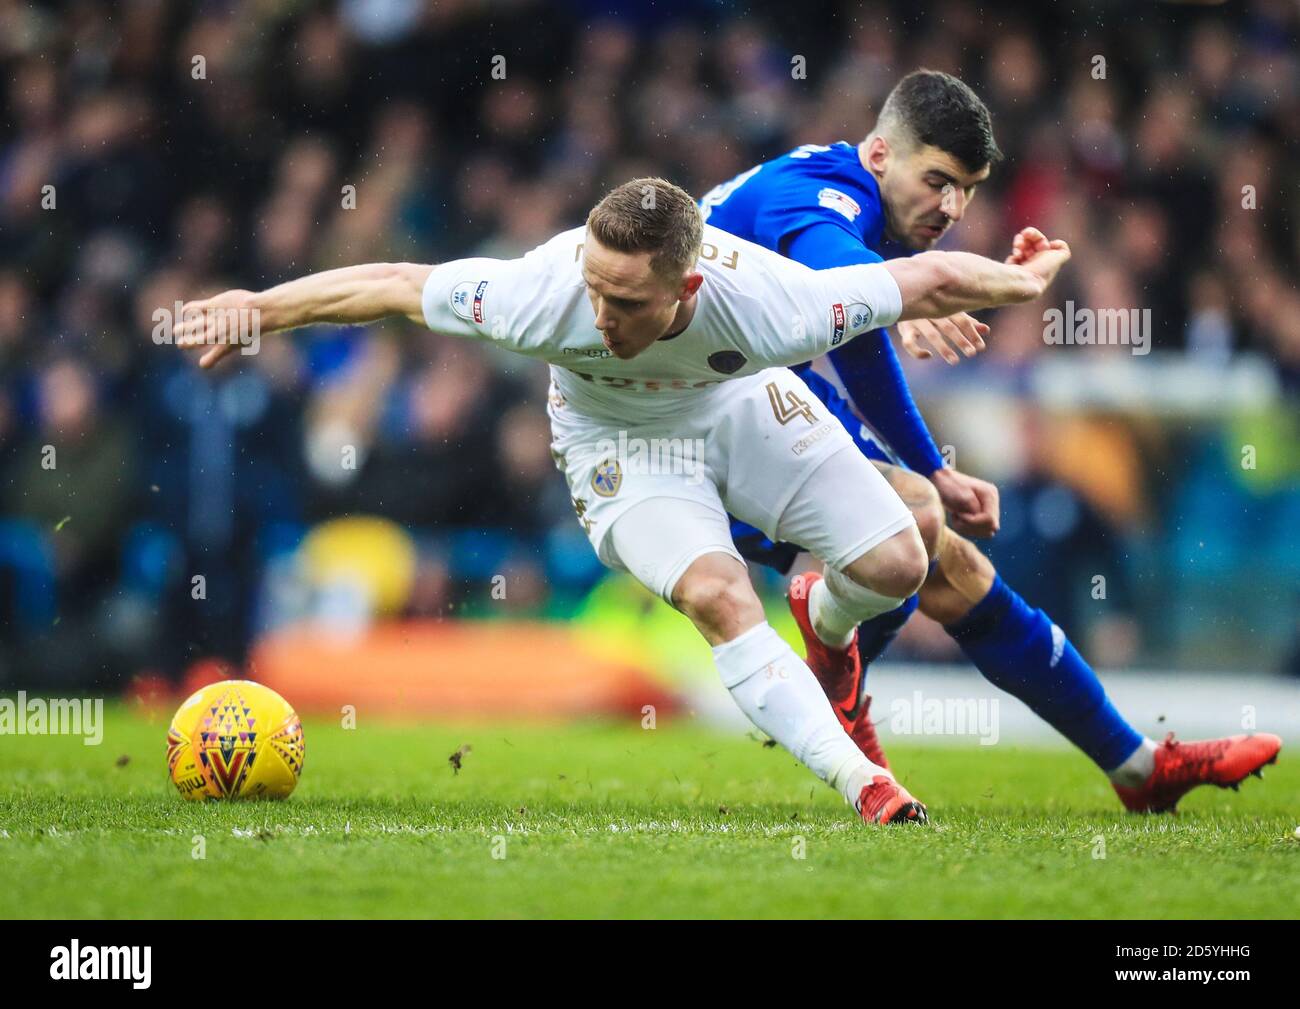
(1034, 251)
(971, 503)
(1027, 242)
(210, 325)
(962, 331)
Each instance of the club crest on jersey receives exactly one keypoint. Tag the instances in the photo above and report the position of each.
(841, 203)
(467, 300)
(858, 318)
(607, 478)
(727, 362)
(462, 296)
(837, 324)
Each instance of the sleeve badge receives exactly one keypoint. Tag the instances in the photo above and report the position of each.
(841, 203)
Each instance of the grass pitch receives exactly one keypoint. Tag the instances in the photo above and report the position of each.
(610, 820)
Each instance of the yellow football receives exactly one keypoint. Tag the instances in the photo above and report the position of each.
(235, 740)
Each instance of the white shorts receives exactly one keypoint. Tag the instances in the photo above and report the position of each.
(763, 448)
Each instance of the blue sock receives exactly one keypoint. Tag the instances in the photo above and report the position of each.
(1020, 650)
(874, 635)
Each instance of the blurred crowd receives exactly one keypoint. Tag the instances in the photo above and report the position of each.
(153, 152)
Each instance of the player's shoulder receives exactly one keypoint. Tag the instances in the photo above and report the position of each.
(731, 258)
(561, 253)
(747, 281)
(826, 175)
(549, 272)
(812, 184)
(812, 159)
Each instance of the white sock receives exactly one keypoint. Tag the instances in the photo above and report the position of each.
(1135, 771)
(780, 695)
(837, 604)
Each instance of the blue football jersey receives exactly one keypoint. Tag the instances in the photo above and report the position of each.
(815, 183)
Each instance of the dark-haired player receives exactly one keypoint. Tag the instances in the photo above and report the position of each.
(894, 194)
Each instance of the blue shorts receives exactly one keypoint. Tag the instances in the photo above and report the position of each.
(752, 543)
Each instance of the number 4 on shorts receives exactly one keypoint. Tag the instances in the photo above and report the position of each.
(791, 407)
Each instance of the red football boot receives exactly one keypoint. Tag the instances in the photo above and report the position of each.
(862, 730)
(839, 671)
(1180, 767)
(886, 801)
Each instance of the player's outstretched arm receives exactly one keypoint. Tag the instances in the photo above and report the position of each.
(351, 294)
(938, 284)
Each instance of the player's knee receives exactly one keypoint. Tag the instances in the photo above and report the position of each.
(922, 500)
(963, 577)
(929, 515)
(896, 568)
(721, 603)
(904, 567)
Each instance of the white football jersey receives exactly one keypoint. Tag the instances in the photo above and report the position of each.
(756, 310)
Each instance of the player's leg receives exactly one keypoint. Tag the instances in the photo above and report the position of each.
(828, 650)
(851, 519)
(959, 580)
(682, 551)
(864, 579)
(1022, 651)
(875, 634)
(1019, 649)
(767, 436)
(922, 500)
(875, 581)
(1014, 646)
(800, 432)
(847, 514)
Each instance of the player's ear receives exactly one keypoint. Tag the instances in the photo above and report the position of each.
(878, 153)
(690, 284)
